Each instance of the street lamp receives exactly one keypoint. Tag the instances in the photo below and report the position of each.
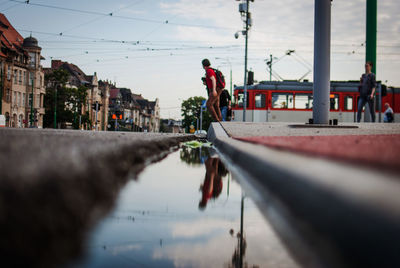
(245, 14)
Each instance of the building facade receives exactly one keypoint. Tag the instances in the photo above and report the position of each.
(96, 93)
(138, 114)
(22, 78)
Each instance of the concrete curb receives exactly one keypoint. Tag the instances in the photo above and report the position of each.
(329, 214)
(55, 185)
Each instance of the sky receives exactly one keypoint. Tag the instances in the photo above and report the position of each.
(155, 47)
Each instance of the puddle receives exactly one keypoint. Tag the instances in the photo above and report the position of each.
(184, 211)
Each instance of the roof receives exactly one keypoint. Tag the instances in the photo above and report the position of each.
(76, 71)
(137, 96)
(114, 92)
(9, 36)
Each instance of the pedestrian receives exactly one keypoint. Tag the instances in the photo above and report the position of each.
(388, 115)
(367, 91)
(214, 91)
(225, 104)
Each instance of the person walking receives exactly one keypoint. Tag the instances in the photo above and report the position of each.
(213, 91)
(367, 91)
(388, 116)
(225, 104)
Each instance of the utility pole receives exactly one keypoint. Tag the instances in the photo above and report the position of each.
(245, 62)
(55, 106)
(269, 63)
(244, 11)
(31, 117)
(322, 62)
(97, 109)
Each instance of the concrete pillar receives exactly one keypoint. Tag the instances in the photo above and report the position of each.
(322, 53)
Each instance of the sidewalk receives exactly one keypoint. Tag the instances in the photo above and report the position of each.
(373, 145)
(333, 194)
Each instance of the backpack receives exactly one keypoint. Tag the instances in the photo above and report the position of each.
(390, 117)
(220, 79)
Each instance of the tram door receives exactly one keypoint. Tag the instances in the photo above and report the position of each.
(260, 108)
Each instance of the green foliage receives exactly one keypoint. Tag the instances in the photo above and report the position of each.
(190, 109)
(68, 100)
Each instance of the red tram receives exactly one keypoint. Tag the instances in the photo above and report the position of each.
(291, 101)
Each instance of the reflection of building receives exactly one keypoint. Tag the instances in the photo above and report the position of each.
(96, 92)
(22, 78)
(171, 126)
(138, 113)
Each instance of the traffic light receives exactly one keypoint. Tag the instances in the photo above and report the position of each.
(98, 106)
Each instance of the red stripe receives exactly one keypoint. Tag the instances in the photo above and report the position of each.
(377, 150)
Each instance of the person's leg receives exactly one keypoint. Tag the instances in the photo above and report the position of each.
(360, 106)
(224, 112)
(372, 109)
(216, 104)
(210, 107)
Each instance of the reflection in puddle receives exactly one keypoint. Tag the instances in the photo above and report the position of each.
(185, 211)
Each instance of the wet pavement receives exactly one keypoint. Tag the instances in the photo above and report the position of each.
(184, 211)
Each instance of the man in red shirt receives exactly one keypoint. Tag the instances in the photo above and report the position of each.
(213, 91)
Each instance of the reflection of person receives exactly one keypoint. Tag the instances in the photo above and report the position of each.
(388, 116)
(225, 104)
(367, 92)
(212, 185)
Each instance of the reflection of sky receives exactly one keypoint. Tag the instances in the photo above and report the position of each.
(157, 223)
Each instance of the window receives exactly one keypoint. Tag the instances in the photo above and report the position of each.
(15, 76)
(260, 100)
(14, 97)
(8, 95)
(23, 99)
(334, 102)
(348, 103)
(282, 100)
(19, 99)
(303, 101)
(9, 72)
(240, 99)
(30, 100)
(32, 61)
(24, 78)
(30, 79)
(20, 77)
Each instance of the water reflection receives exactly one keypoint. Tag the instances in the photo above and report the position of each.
(157, 222)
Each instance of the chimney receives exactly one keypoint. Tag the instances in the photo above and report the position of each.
(55, 64)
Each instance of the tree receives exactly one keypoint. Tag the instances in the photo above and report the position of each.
(191, 112)
(69, 100)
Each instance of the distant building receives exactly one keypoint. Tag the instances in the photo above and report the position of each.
(95, 93)
(171, 126)
(138, 113)
(22, 78)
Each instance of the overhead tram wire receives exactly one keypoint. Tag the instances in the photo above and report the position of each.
(98, 18)
(119, 16)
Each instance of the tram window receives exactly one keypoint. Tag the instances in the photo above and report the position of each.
(334, 102)
(348, 103)
(260, 100)
(303, 101)
(240, 100)
(282, 100)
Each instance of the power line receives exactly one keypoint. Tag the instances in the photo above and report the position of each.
(111, 14)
